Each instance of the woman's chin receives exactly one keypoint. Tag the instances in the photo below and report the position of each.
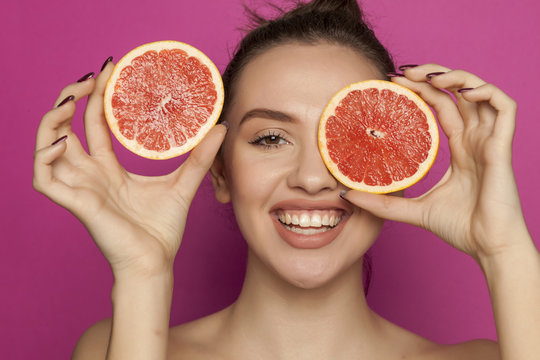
(309, 274)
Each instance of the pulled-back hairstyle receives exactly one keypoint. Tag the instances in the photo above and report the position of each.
(338, 22)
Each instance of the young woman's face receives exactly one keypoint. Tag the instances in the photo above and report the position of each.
(286, 202)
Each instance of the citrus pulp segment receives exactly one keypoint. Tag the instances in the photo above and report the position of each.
(162, 98)
(378, 136)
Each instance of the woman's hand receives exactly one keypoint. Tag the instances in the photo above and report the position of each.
(475, 207)
(136, 221)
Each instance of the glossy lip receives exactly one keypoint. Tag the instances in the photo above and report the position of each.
(314, 241)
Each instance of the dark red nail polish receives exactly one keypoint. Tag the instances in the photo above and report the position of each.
(63, 138)
(342, 194)
(86, 77)
(408, 66)
(69, 98)
(109, 59)
(430, 75)
(394, 74)
(464, 90)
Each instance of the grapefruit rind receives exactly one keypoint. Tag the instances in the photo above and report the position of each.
(133, 145)
(396, 185)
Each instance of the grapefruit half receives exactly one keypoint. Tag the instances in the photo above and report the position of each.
(162, 99)
(378, 136)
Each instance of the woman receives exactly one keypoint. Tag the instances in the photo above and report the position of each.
(302, 296)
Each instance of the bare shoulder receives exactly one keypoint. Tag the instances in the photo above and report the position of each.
(480, 349)
(199, 339)
(94, 341)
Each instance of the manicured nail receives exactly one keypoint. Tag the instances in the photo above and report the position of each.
(63, 138)
(109, 59)
(408, 66)
(430, 75)
(342, 194)
(86, 77)
(69, 98)
(464, 90)
(226, 124)
(394, 74)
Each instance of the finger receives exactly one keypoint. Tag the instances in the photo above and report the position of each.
(52, 121)
(57, 123)
(44, 180)
(454, 81)
(506, 108)
(96, 129)
(442, 77)
(78, 89)
(199, 162)
(445, 107)
(389, 207)
(419, 73)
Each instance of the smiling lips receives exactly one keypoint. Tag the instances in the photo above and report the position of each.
(310, 227)
(309, 222)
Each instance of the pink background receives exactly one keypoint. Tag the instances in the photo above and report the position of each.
(54, 281)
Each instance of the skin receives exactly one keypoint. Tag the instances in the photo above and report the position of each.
(292, 296)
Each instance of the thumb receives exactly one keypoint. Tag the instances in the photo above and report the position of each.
(193, 170)
(391, 207)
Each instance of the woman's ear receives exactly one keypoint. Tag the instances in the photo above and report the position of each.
(217, 174)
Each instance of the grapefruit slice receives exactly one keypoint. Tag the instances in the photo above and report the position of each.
(162, 99)
(378, 136)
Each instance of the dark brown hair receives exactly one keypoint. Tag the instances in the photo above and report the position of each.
(332, 21)
(319, 21)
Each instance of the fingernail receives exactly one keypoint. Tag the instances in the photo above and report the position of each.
(342, 194)
(408, 66)
(430, 75)
(109, 59)
(394, 74)
(226, 124)
(69, 98)
(464, 90)
(86, 77)
(63, 138)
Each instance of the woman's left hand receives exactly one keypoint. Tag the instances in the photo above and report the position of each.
(475, 207)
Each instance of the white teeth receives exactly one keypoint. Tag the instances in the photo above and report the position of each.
(309, 231)
(304, 220)
(325, 220)
(316, 220)
(332, 220)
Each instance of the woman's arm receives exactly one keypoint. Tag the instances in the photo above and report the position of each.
(475, 207)
(140, 324)
(513, 278)
(137, 222)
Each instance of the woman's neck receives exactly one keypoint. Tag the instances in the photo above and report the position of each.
(281, 320)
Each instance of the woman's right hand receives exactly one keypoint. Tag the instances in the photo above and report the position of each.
(136, 221)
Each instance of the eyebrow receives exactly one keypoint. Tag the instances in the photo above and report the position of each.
(267, 114)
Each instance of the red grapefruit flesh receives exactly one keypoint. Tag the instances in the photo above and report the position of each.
(162, 98)
(378, 136)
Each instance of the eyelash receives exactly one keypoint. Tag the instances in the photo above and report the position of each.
(259, 140)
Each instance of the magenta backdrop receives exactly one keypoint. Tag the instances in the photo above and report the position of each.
(55, 282)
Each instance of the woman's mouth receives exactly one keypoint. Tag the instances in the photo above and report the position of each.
(309, 222)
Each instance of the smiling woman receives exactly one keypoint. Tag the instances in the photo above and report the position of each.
(302, 296)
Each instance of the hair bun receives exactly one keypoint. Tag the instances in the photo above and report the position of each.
(349, 6)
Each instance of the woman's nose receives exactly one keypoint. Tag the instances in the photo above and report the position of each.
(310, 174)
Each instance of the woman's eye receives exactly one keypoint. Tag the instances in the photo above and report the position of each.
(269, 141)
(273, 140)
